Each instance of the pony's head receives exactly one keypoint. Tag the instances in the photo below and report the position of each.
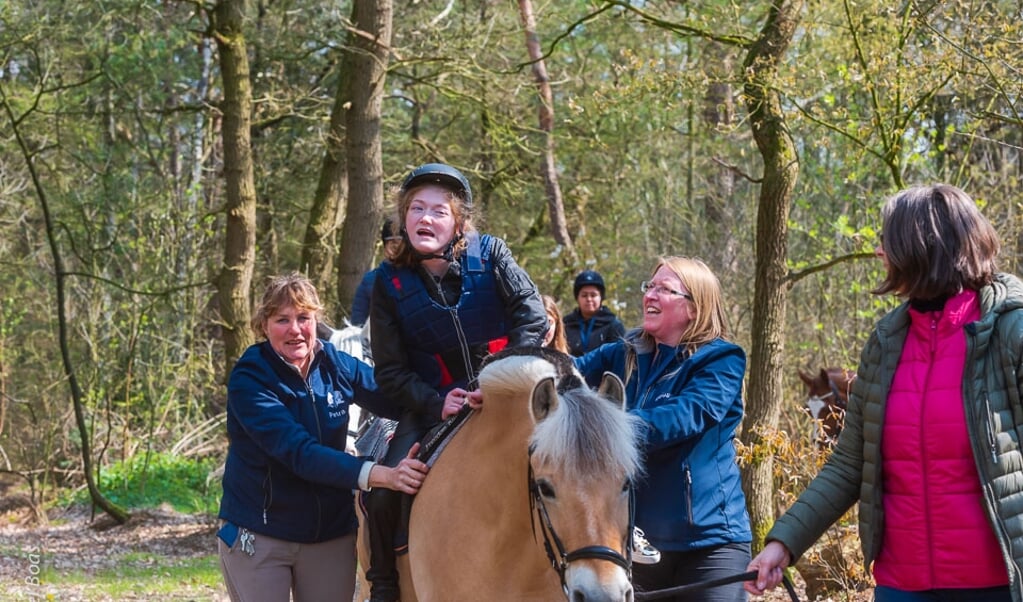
(583, 458)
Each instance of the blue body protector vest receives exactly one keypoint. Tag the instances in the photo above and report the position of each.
(446, 345)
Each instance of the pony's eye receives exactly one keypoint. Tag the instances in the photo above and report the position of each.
(626, 486)
(545, 489)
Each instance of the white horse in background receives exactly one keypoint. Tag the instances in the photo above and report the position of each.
(353, 340)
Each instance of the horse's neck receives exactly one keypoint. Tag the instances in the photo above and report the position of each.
(495, 442)
(499, 430)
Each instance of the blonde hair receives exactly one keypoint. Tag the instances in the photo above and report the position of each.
(286, 290)
(558, 341)
(709, 321)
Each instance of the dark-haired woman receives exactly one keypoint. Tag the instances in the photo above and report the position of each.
(931, 444)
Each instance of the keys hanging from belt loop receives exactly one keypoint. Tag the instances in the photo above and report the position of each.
(246, 541)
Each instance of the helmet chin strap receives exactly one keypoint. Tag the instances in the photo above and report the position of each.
(447, 255)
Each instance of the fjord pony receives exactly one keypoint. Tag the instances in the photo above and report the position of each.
(545, 459)
(827, 397)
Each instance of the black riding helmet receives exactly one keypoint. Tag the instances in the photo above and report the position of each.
(439, 173)
(449, 177)
(588, 278)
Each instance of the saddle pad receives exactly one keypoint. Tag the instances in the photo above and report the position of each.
(437, 438)
(374, 436)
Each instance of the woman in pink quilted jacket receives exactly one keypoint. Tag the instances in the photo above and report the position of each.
(931, 447)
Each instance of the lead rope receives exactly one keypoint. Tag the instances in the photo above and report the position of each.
(692, 587)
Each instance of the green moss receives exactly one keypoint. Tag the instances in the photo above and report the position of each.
(150, 480)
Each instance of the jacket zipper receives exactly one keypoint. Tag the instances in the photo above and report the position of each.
(268, 493)
(463, 343)
(989, 428)
(688, 475)
(319, 438)
(920, 427)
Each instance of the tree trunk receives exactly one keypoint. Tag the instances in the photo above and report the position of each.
(719, 114)
(367, 66)
(60, 275)
(329, 201)
(555, 203)
(235, 282)
(781, 169)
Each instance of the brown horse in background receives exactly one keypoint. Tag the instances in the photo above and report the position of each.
(827, 396)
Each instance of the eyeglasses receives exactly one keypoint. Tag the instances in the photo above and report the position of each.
(662, 291)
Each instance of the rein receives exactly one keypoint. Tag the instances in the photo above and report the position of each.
(560, 559)
(556, 554)
(692, 587)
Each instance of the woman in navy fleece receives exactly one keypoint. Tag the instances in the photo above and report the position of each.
(289, 521)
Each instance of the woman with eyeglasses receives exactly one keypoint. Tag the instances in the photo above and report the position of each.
(684, 379)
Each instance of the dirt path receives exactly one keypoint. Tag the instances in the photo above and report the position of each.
(72, 542)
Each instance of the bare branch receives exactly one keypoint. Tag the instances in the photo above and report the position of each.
(795, 276)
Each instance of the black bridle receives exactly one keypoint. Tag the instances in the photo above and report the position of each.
(560, 559)
(556, 554)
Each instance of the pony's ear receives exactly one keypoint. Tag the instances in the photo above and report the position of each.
(543, 399)
(805, 377)
(612, 387)
(824, 376)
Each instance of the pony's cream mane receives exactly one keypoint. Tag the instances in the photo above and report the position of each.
(586, 435)
(515, 374)
(589, 436)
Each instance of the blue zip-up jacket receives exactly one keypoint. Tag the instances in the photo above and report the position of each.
(691, 497)
(584, 335)
(287, 474)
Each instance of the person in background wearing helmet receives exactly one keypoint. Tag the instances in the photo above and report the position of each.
(389, 237)
(590, 325)
(448, 297)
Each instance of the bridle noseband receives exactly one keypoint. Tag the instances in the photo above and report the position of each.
(555, 549)
(560, 560)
